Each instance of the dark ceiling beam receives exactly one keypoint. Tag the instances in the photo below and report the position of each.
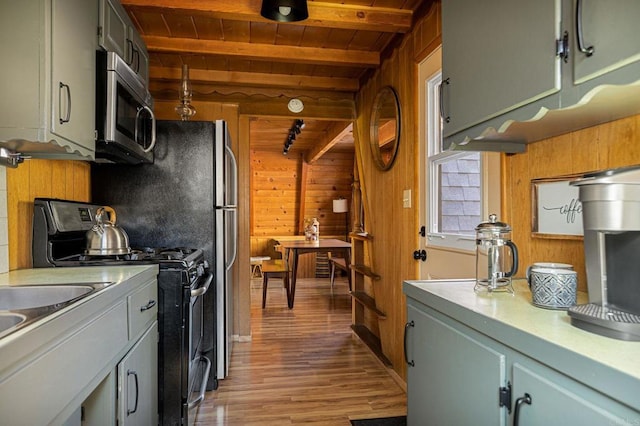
(270, 52)
(327, 15)
(302, 82)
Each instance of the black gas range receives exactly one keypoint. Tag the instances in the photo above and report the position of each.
(186, 307)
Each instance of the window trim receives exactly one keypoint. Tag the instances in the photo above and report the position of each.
(436, 157)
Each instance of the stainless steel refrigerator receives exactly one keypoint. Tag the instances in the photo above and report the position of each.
(186, 198)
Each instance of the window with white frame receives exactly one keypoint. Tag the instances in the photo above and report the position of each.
(454, 182)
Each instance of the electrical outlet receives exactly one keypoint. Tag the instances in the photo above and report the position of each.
(406, 198)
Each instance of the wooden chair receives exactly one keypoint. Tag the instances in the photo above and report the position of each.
(256, 265)
(275, 268)
(340, 263)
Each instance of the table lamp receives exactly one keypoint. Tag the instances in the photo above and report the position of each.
(340, 206)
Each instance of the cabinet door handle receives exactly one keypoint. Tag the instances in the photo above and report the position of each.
(526, 399)
(588, 51)
(130, 55)
(135, 376)
(149, 305)
(406, 358)
(68, 114)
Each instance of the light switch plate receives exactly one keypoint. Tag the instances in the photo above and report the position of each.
(406, 198)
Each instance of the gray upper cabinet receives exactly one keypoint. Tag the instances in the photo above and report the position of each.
(114, 27)
(118, 34)
(498, 55)
(48, 98)
(513, 71)
(609, 38)
(74, 70)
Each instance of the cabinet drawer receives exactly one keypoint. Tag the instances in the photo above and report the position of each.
(143, 308)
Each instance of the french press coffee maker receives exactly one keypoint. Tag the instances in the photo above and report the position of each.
(496, 256)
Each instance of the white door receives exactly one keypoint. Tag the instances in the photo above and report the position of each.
(457, 190)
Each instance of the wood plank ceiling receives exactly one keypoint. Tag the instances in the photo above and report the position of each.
(236, 55)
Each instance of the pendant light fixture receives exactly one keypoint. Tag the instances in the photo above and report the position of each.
(285, 10)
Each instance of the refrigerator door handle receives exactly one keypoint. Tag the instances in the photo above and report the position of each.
(231, 204)
(234, 240)
(234, 180)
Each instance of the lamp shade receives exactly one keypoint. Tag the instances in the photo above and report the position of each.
(285, 10)
(340, 206)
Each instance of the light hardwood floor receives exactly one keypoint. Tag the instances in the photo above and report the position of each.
(303, 366)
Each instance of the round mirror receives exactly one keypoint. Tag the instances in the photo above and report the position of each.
(384, 131)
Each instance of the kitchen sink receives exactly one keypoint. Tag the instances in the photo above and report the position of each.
(24, 305)
(28, 297)
(10, 320)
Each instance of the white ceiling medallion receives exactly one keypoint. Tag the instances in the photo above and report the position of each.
(295, 105)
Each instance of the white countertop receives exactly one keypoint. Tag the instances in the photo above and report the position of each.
(74, 275)
(132, 274)
(543, 334)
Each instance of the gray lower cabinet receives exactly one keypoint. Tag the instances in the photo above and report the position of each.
(129, 393)
(49, 68)
(138, 382)
(456, 376)
(554, 398)
(454, 379)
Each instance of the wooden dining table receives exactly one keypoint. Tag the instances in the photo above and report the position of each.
(294, 248)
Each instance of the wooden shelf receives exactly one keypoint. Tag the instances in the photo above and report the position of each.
(372, 341)
(365, 270)
(368, 302)
(361, 236)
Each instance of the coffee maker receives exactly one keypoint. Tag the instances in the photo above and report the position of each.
(611, 220)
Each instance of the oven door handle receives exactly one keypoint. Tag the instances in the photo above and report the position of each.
(203, 385)
(203, 289)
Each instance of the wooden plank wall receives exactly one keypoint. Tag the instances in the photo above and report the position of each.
(277, 189)
(608, 145)
(283, 185)
(39, 178)
(394, 228)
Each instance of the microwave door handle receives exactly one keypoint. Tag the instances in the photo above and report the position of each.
(153, 127)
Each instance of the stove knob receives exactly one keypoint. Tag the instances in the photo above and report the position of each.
(206, 264)
(200, 269)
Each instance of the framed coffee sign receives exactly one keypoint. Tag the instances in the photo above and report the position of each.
(556, 208)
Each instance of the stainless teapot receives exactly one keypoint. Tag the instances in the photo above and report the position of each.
(105, 238)
(496, 256)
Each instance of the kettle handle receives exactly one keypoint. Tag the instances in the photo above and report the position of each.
(106, 209)
(514, 264)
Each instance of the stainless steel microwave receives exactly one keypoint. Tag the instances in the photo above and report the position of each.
(125, 123)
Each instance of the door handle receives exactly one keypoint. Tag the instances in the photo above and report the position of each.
(135, 376)
(420, 255)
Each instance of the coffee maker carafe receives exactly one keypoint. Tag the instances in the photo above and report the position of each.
(611, 221)
(496, 256)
